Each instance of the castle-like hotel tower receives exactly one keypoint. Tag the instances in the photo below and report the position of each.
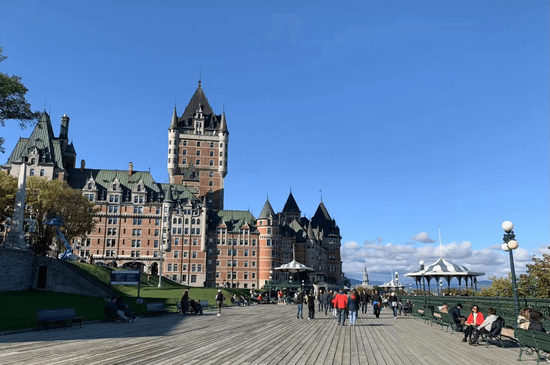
(197, 149)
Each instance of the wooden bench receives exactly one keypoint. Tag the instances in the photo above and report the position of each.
(205, 304)
(58, 316)
(532, 341)
(156, 308)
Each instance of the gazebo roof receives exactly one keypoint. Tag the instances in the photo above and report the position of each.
(442, 268)
(391, 284)
(294, 266)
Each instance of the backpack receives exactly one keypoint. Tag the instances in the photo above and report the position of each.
(496, 327)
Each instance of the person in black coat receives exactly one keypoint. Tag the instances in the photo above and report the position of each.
(455, 313)
(376, 304)
(535, 323)
(364, 298)
(311, 306)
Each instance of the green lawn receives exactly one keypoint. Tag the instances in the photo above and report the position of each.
(18, 309)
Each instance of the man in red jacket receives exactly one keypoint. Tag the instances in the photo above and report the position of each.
(341, 303)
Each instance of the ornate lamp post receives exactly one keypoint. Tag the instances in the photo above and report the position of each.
(440, 286)
(423, 288)
(410, 288)
(397, 282)
(509, 245)
(270, 278)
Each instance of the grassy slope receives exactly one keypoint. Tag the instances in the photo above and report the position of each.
(18, 309)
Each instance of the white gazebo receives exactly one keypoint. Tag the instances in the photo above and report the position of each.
(444, 269)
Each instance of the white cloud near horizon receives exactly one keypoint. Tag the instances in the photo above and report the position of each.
(382, 259)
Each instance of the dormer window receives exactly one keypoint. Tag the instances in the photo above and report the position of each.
(139, 188)
(114, 187)
(89, 186)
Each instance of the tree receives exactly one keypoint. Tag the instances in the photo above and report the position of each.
(57, 198)
(537, 280)
(8, 190)
(13, 104)
(499, 286)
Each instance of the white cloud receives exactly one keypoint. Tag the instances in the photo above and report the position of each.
(423, 237)
(381, 259)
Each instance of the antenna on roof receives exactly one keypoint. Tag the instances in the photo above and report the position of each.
(440, 247)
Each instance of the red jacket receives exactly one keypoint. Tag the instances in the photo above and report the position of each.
(341, 301)
(479, 319)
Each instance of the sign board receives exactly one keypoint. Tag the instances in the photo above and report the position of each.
(125, 277)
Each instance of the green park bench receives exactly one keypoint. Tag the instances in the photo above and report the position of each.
(532, 342)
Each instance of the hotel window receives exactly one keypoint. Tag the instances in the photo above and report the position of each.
(197, 162)
(184, 152)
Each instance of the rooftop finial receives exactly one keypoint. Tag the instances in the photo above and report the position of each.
(200, 76)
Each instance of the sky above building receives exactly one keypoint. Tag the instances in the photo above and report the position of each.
(402, 116)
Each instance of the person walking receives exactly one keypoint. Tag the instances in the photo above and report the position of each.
(219, 301)
(353, 307)
(376, 303)
(327, 298)
(310, 306)
(364, 297)
(320, 300)
(300, 303)
(393, 303)
(341, 304)
(185, 302)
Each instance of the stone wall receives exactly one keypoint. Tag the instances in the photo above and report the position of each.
(17, 269)
(21, 270)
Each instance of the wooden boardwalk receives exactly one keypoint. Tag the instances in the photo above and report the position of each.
(260, 334)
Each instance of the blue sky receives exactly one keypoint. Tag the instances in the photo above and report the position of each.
(407, 115)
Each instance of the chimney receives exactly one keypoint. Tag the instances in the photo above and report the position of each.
(82, 165)
(130, 169)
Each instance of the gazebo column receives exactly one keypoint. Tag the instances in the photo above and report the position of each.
(449, 284)
(459, 284)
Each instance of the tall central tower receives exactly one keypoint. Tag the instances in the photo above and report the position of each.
(197, 149)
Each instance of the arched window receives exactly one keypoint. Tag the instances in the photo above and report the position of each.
(175, 221)
(42, 172)
(33, 161)
(139, 188)
(179, 221)
(198, 221)
(186, 220)
(32, 172)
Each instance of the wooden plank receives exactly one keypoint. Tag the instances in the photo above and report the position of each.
(259, 334)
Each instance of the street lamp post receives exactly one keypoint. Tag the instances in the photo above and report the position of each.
(440, 286)
(270, 278)
(410, 288)
(509, 245)
(423, 288)
(397, 282)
